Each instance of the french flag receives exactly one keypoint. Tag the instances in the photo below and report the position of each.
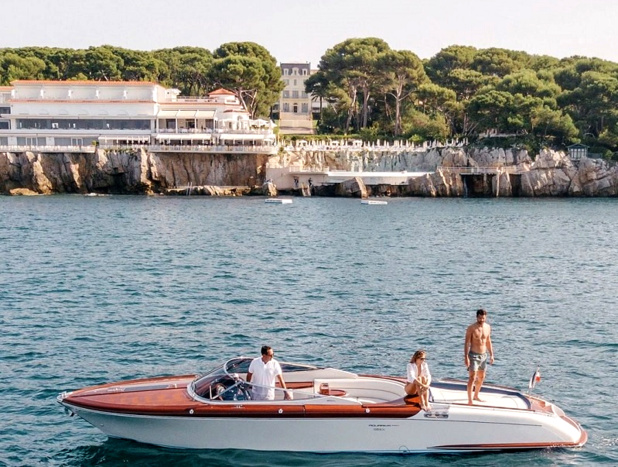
(536, 377)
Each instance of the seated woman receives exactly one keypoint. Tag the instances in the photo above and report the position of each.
(419, 378)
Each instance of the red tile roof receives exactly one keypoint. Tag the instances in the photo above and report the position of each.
(221, 92)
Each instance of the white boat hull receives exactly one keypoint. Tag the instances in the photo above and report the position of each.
(320, 410)
(444, 429)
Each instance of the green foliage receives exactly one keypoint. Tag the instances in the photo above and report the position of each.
(421, 127)
(372, 133)
(13, 67)
(365, 87)
(251, 72)
(499, 62)
(447, 60)
(353, 66)
(401, 75)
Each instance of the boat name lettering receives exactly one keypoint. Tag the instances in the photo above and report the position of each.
(381, 427)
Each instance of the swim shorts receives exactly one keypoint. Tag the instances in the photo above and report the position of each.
(478, 361)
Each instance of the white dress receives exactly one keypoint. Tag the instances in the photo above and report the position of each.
(413, 372)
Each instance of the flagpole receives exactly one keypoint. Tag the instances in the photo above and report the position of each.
(536, 377)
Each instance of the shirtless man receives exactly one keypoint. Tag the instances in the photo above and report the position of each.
(476, 348)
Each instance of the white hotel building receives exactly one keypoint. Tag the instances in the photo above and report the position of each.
(59, 116)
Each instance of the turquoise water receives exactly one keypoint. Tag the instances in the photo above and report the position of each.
(102, 289)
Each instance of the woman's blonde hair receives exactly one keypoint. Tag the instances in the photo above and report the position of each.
(417, 354)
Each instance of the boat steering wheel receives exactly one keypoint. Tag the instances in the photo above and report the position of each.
(242, 390)
(230, 389)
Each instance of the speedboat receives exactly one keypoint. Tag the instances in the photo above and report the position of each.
(321, 410)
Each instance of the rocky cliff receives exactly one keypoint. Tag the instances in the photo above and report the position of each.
(452, 172)
(127, 172)
(461, 172)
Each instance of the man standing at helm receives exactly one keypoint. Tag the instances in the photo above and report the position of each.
(262, 372)
(477, 350)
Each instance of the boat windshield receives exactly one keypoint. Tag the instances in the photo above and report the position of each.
(222, 379)
(227, 382)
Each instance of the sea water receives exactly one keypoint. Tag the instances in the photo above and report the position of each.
(99, 289)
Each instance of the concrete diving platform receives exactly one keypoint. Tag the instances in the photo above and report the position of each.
(288, 178)
(372, 178)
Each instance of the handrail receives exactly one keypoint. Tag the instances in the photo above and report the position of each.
(34, 148)
(480, 170)
(266, 149)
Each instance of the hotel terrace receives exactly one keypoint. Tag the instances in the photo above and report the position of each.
(78, 116)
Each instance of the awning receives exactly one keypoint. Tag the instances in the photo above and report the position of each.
(242, 137)
(206, 114)
(167, 113)
(186, 114)
(184, 136)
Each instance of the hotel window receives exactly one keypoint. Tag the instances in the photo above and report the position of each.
(286, 72)
(295, 94)
(305, 108)
(286, 107)
(286, 94)
(305, 72)
(295, 108)
(295, 82)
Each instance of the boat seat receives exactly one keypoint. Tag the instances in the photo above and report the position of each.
(413, 400)
(326, 390)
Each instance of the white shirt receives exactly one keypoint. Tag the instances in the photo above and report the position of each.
(264, 376)
(413, 372)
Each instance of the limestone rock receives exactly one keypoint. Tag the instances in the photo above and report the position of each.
(355, 187)
(545, 182)
(453, 157)
(442, 183)
(22, 192)
(269, 189)
(552, 173)
(128, 171)
(595, 178)
(501, 185)
(551, 160)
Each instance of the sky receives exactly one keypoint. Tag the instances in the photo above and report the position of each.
(302, 31)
